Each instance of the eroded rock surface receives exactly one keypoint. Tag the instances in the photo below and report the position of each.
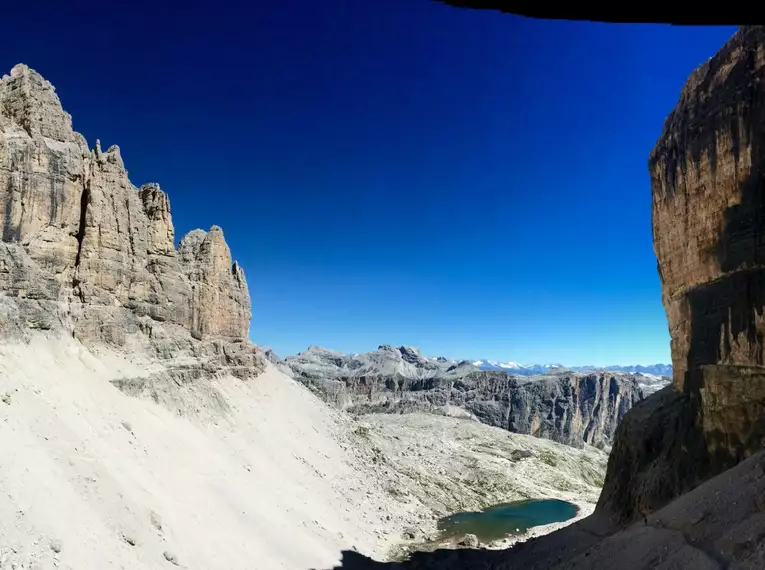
(708, 177)
(572, 408)
(86, 252)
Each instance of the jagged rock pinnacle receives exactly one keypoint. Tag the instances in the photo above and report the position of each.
(20, 69)
(88, 233)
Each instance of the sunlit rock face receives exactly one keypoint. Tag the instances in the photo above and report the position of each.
(105, 243)
(569, 407)
(85, 252)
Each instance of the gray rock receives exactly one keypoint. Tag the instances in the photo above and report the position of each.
(409, 534)
(170, 557)
(519, 454)
(572, 408)
(469, 541)
(86, 253)
(92, 235)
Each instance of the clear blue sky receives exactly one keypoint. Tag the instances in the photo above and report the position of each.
(393, 171)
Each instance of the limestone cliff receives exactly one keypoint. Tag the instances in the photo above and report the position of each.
(708, 181)
(571, 408)
(688, 458)
(83, 250)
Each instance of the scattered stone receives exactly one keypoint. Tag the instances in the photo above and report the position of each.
(469, 541)
(156, 521)
(55, 545)
(170, 557)
(519, 454)
(6, 398)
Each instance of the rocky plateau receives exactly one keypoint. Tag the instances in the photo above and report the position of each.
(569, 407)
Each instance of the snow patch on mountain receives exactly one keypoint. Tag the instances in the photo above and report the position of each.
(659, 370)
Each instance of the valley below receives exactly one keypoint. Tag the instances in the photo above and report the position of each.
(227, 471)
(450, 465)
(142, 429)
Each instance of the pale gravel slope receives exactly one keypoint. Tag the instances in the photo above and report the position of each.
(269, 487)
(256, 475)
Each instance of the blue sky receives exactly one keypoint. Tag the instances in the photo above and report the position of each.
(394, 171)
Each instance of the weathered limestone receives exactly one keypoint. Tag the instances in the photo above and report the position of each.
(41, 172)
(706, 173)
(85, 251)
(220, 299)
(708, 180)
(571, 408)
(686, 468)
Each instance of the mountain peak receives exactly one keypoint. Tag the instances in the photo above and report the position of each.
(30, 101)
(68, 211)
(21, 69)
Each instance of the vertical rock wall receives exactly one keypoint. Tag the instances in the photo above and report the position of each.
(106, 246)
(708, 182)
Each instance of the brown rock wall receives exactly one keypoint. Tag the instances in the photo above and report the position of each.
(708, 181)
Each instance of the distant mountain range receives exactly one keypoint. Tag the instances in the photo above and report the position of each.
(547, 400)
(534, 369)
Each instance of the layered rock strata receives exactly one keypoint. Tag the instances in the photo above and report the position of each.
(708, 182)
(85, 251)
(571, 408)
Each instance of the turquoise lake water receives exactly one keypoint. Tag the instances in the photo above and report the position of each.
(504, 520)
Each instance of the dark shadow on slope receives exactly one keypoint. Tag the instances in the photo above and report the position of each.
(535, 554)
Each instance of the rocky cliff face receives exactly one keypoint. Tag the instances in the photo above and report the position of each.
(85, 251)
(708, 181)
(571, 408)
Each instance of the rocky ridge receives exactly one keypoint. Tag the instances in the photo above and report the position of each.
(568, 407)
(85, 252)
(531, 369)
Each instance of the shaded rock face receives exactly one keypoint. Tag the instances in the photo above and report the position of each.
(708, 216)
(566, 407)
(98, 244)
(708, 181)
